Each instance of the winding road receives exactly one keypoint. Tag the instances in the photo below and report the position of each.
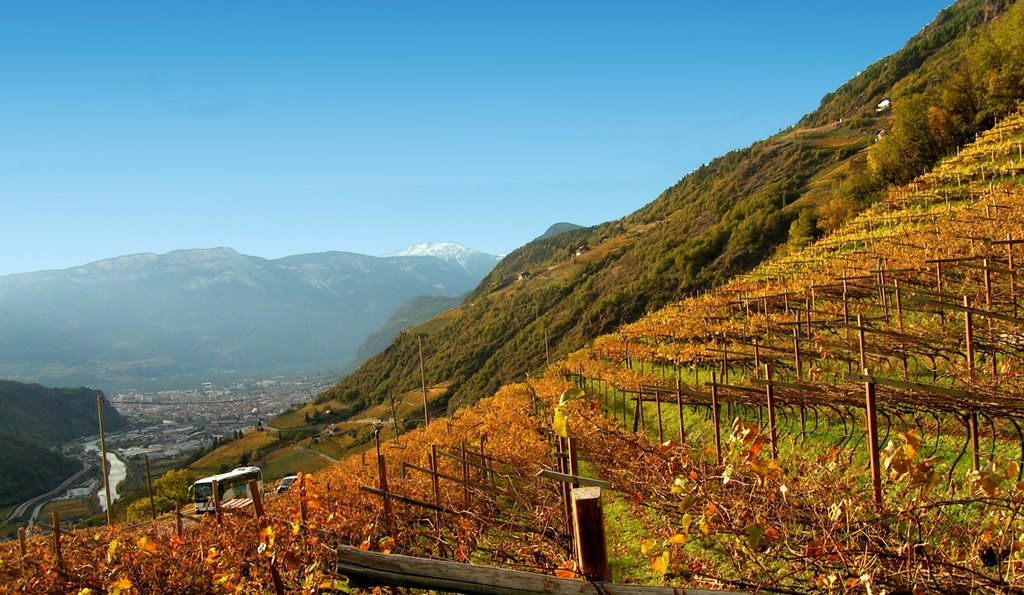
(40, 501)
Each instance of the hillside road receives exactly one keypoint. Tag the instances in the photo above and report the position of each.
(19, 511)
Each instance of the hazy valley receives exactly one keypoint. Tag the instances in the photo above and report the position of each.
(149, 321)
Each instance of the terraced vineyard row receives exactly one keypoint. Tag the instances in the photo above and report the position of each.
(899, 338)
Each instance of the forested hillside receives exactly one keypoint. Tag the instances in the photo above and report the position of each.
(51, 416)
(30, 469)
(949, 82)
(34, 420)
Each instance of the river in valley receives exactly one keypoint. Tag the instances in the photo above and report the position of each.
(118, 473)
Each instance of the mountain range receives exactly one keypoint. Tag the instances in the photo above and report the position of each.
(159, 320)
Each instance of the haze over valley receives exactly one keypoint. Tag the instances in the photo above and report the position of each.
(151, 321)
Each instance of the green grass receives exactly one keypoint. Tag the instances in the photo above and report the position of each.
(77, 508)
(288, 460)
(297, 418)
(625, 533)
(229, 455)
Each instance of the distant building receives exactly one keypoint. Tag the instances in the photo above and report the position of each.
(523, 275)
(581, 251)
(883, 105)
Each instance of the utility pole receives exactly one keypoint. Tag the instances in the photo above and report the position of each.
(394, 416)
(103, 458)
(547, 353)
(423, 381)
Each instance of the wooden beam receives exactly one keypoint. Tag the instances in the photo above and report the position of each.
(809, 388)
(966, 309)
(576, 479)
(440, 475)
(393, 496)
(1012, 402)
(372, 569)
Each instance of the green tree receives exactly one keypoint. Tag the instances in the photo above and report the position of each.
(169, 490)
(804, 229)
(910, 147)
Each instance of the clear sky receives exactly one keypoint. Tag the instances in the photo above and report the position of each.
(279, 128)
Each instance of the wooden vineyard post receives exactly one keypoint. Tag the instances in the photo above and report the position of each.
(880, 281)
(969, 335)
(588, 528)
(56, 540)
(483, 459)
(177, 518)
(216, 503)
(860, 339)
(562, 464)
(717, 421)
(679, 409)
(433, 475)
(810, 306)
(661, 429)
(436, 488)
(149, 484)
(1009, 265)
(574, 465)
(770, 394)
(640, 409)
(22, 547)
(899, 319)
(465, 477)
(757, 359)
(623, 408)
(972, 422)
(796, 353)
(871, 415)
(382, 482)
(257, 504)
(988, 319)
(846, 319)
(637, 410)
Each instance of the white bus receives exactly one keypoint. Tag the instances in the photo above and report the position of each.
(231, 485)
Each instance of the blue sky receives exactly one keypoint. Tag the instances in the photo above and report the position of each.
(279, 128)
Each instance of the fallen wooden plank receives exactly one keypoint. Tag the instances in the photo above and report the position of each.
(372, 569)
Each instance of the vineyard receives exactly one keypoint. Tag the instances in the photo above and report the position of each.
(847, 417)
(859, 403)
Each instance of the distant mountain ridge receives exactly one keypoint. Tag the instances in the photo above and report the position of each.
(190, 314)
(476, 263)
(558, 229)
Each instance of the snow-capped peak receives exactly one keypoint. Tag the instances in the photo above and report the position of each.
(450, 252)
(442, 250)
